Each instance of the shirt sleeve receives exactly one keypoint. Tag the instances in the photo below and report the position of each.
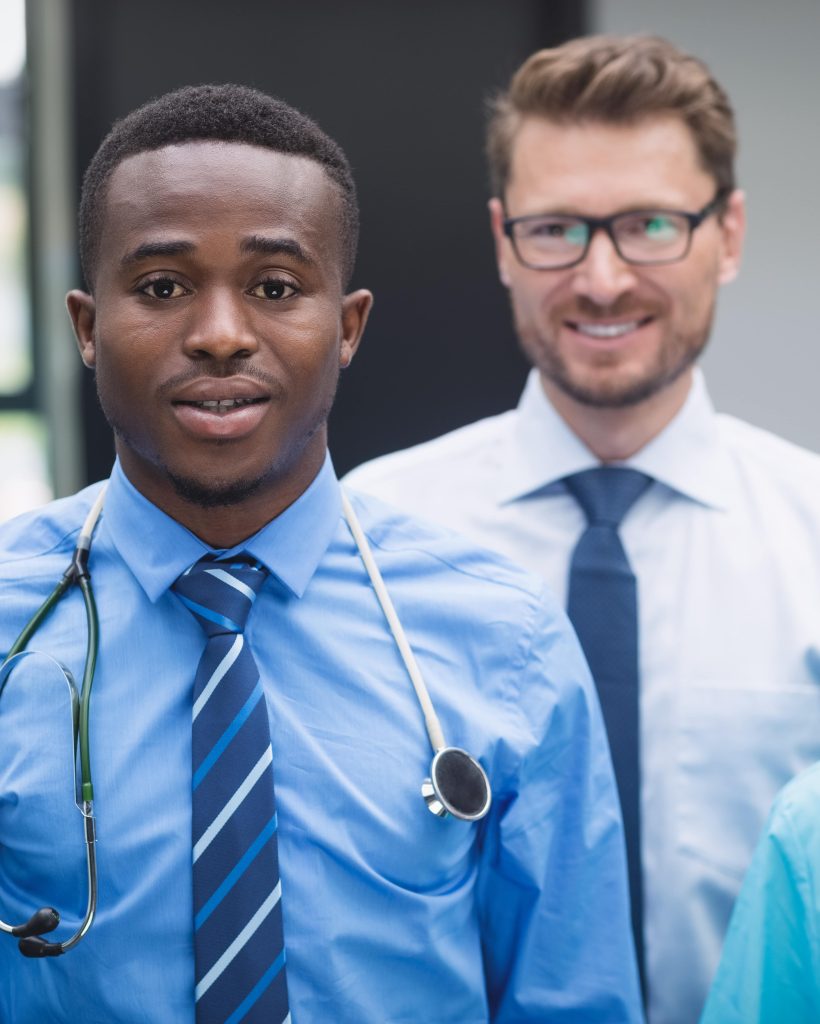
(768, 972)
(552, 880)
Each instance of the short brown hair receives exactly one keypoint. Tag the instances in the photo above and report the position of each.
(615, 80)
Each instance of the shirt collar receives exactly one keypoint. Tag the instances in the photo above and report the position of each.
(290, 546)
(687, 456)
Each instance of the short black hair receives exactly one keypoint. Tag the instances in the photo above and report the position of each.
(219, 113)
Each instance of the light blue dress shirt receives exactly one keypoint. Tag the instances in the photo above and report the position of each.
(391, 915)
(770, 969)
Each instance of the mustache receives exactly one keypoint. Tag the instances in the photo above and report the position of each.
(222, 371)
(624, 306)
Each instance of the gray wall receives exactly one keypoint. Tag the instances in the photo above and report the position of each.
(763, 363)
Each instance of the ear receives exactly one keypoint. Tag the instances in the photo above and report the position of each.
(502, 245)
(355, 310)
(733, 231)
(83, 312)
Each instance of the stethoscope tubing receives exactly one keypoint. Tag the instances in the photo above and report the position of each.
(46, 919)
(434, 730)
(30, 941)
(78, 574)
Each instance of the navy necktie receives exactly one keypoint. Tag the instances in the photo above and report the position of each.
(603, 607)
(238, 937)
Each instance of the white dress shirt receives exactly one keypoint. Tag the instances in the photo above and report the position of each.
(725, 545)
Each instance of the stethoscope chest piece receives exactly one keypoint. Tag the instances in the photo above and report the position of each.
(458, 785)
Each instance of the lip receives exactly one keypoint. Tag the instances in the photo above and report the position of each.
(608, 333)
(227, 424)
(211, 389)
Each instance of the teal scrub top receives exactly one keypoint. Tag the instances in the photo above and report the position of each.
(770, 969)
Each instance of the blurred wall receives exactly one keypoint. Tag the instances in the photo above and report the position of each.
(402, 87)
(763, 363)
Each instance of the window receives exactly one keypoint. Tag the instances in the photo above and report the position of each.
(23, 465)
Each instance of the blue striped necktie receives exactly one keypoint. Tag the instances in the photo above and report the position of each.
(602, 604)
(238, 938)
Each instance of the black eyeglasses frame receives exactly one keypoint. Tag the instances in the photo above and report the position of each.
(595, 224)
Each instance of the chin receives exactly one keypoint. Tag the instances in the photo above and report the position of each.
(215, 493)
(611, 394)
(610, 389)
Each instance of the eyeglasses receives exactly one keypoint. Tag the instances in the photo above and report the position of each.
(643, 237)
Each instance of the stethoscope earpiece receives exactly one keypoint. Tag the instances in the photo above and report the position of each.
(41, 922)
(458, 785)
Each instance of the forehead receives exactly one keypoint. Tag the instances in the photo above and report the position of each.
(598, 168)
(225, 188)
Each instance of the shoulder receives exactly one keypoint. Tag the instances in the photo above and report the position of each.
(43, 535)
(456, 452)
(423, 547)
(791, 838)
(448, 480)
(761, 453)
(496, 617)
(796, 806)
(455, 585)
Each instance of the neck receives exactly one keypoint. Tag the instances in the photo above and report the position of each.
(225, 526)
(616, 434)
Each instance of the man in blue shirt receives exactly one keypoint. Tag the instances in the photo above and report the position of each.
(218, 234)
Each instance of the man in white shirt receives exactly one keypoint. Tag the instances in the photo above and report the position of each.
(616, 218)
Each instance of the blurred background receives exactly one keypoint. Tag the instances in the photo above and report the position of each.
(402, 87)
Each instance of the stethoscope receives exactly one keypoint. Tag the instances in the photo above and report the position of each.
(457, 784)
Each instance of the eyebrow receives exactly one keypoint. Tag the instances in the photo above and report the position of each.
(571, 211)
(150, 249)
(253, 244)
(265, 246)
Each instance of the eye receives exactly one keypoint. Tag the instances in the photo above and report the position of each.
(163, 288)
(273, 288)
(547, 229)
(556, 231)
(652, 227)
(661, 228)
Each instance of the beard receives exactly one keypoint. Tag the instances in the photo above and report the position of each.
(214, 493)
(606, 385)
(218, 491)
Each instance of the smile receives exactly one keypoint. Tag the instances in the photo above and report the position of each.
(606, 331)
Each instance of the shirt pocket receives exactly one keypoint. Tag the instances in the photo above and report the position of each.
(736, 748)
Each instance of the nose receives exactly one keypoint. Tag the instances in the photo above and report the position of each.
(603, 276)
(221, 327)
